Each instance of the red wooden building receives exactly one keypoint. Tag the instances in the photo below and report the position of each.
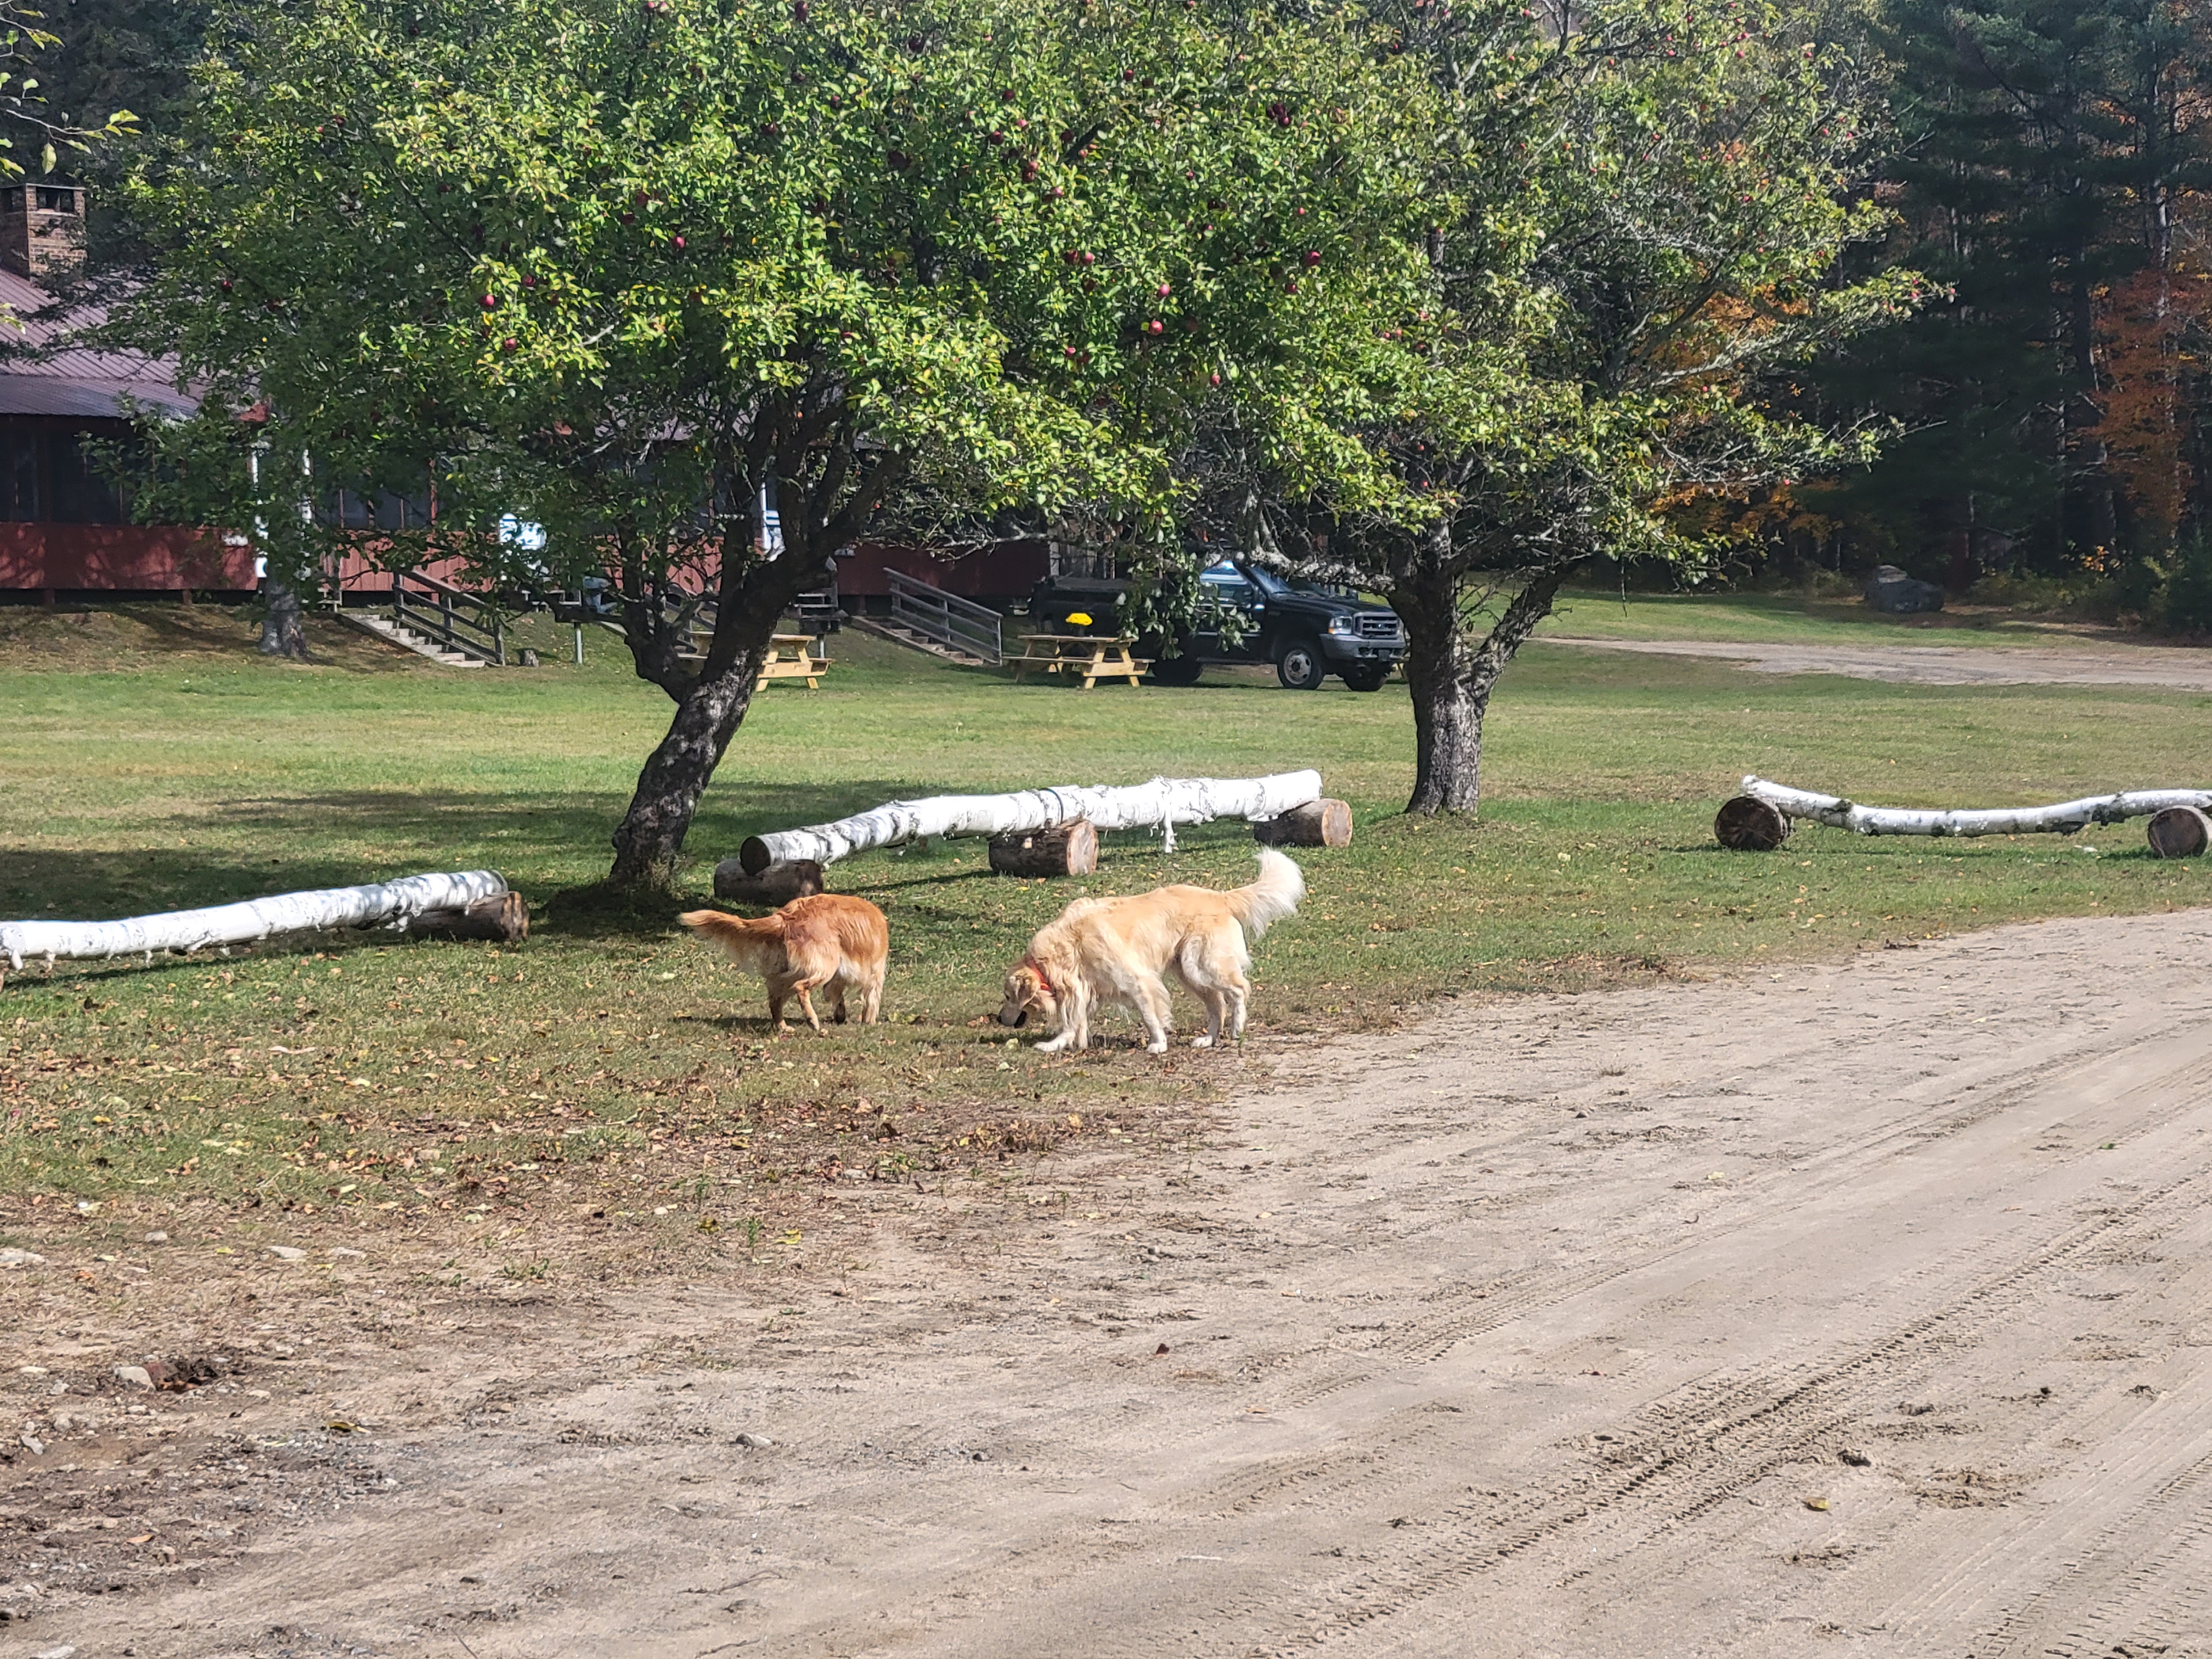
(65, 533)
(63, 529)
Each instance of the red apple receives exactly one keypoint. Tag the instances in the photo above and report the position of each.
(491, 302)
(509, 343)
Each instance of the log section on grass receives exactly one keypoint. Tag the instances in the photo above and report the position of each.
(393, 902)
(1164, 802)
(775, 886)
(1746, 823)
(505, 919)
(2178, 832)
(1065, 849)
(2063, 818)
(1324, 822)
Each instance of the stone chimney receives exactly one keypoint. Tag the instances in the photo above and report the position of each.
(42, 231)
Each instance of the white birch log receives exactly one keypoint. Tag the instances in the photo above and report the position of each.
(2063, 818)
(1165, 802)
(391, 902)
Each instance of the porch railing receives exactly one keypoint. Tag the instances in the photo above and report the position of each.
(456, 618)
(957, 624)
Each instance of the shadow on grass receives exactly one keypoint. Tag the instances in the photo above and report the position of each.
(349, 838)
(546, 848)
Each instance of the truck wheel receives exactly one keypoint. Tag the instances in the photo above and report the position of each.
(1366, 679)
(1301, 667)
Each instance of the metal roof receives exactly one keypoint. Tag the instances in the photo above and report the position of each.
(76, 382)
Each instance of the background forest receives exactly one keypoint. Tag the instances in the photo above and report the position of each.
(2046, 162)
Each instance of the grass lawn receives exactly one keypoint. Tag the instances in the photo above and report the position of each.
(153, 762)
(1796, 619)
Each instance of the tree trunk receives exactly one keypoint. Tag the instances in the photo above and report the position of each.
(1447, 712)
(1163, 803)
(1452, 679)
(1324, 822)
(1746, 823)
(2062, 818)
(505, 920)
(243, 923)
(650, 838)
(283, 632)
(2178, 832)
(775, 887)
(1065, 849)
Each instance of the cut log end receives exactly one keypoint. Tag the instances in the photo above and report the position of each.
(1323, 822)
(1746, 823)
(774, 885)
(1064, 849)
(505, 919)
(753, 857)
(2178, 832)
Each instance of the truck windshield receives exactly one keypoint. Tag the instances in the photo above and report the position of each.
(1269, 582)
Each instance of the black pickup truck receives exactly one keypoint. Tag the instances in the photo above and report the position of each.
(1245, 614)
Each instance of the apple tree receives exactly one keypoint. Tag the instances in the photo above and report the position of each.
(1644, 206)
(631, 270)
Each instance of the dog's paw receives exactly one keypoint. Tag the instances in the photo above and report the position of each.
(1159, 1047)
(1202, 1041)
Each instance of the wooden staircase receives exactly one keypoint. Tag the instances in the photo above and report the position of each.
(449, 625)
(393, 633)
(914, 639)
(925, 617)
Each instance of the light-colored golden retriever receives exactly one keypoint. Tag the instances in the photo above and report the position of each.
(1115, 950)
(828, 939)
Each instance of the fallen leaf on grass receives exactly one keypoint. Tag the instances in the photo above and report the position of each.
(143, 1538)
(339, 1425)
(1816, 1502)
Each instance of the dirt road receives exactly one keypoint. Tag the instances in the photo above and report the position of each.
(1856, 1309)
(1946, 664)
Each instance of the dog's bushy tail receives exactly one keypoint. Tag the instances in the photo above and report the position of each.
(719, 927)
(1274, 896)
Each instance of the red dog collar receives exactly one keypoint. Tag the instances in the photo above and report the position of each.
(1043, 978)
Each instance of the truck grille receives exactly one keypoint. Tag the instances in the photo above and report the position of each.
(1373, 626)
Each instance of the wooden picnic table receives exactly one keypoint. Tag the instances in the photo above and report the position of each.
(1095, 657)
(790, 657)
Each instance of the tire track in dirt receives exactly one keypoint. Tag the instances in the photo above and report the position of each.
(1495, 1369)
(1683, 1455)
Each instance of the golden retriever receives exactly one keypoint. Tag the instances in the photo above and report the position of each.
(825, 939)
(1115, 950)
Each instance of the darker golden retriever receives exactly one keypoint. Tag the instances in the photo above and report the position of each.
(827, 939)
